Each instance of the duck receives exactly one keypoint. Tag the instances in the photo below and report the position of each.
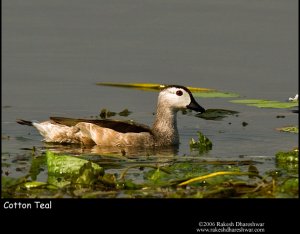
(116, 133)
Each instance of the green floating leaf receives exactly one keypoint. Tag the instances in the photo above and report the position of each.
(33, 184)
(37, 165)
(215, 94)
(247, 101)
(203, 144)
(141, 86)
(289, 186)
(197, 91)
(188, 169)
(274, 105)
(87, 174)
(157, 175)
(104, 113)
(109, 179)
(266, 103)
(125, 112)
(291, 129)
(60, 182)
(287, 157)
(69, 165)
(148, 86)
(128, 184)
(7, 181)
(216, 114)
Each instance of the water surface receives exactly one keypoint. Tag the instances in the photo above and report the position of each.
(54, 52)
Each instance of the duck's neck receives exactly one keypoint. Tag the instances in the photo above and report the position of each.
(165, 126)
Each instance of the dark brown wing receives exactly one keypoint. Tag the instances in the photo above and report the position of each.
(119, 126)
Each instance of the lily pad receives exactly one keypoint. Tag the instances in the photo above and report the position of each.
(67, 165)
(215, 94)
(66, 170)
(291, 129)
(266, 103)
(216, 114)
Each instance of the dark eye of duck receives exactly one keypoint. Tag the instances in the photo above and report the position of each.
(179, 93)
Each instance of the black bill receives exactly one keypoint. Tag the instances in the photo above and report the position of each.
(195, 106)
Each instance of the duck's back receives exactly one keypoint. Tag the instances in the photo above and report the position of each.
(118, 126)
(99, 132)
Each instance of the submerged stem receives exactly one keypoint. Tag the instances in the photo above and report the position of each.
(199, 178)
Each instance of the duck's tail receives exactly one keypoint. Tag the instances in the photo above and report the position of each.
(24, 122)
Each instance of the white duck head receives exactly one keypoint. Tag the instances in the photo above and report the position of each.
(178, 97)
